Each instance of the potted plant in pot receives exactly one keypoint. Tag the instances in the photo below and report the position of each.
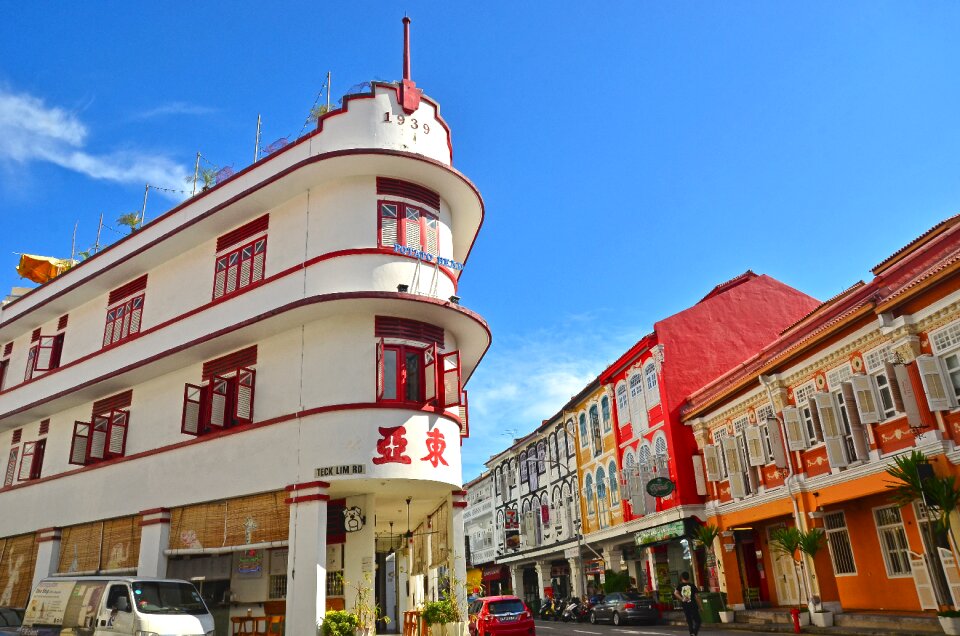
(338, 623)
(365, 609)
(706, 535)
(811, 542)
(441, 617)
(787, 541)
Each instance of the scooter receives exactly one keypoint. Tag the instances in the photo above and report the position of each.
(547, 609)
(570, 610)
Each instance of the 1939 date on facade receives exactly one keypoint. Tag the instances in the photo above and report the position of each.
(401, 120)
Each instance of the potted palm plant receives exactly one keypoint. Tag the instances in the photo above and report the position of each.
(811, 542)
(706, 535)
(787, 541)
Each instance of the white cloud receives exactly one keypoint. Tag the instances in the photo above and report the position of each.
(32, 131)
(526, 379)
(174, 108)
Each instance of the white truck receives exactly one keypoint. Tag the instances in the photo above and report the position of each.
(115, 606)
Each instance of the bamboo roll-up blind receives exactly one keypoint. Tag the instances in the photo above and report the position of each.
(264, 517)
(17, 561)
(121, 543)
(419, 547)
(438, 540)
(80, 548)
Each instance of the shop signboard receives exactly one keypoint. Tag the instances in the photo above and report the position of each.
(660, 487)
(594, 566)
(511, 529)
(250, 564)
(656, 534)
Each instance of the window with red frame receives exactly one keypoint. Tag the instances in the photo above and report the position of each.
(104, 437)
(11, 472)
(225, 400)
(238, 268)
(44, 355)
(408, 225)
(31, 462)
(123, 320)
(418, 375)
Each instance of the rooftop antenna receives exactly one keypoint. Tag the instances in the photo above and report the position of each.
(409, 93)
(256, 146)
(73, 244)
(96, 246)
(328, 91)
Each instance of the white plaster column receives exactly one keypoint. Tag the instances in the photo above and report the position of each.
(542, 577)
(154, 542)
(403, 585)
(359, 553)
(307, 562)
(48, 554)
(516, 580)
(614, 559)
(455, 551)
(652, 567)
(575, 578)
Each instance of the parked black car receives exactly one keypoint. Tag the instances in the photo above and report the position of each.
(10, 620)
(621, 608)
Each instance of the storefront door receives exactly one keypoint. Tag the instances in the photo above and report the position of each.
(784, 576)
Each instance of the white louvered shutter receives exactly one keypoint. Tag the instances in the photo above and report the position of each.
(388, 225)
(193, 398)
(734, 470)
(756, 453)
(78, 446)
(11, 466)
(431, 224)
(921, 580)
(698, 475)
(832, 433)
(712, 460)
(98, 437)
(117, 439)
(776, 443)
(412, 228)
(891, 372)
(796, 429)
(450, 368)
(243, 405)
(866, 399)
(259, 255)
(430, 373)
(949, 563)
(218, 398)
(934, 385)
(857, 430)
(908, 397)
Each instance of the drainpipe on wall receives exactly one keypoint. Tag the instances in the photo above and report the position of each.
(788, 482)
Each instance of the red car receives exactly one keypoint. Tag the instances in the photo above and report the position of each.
(500, 616)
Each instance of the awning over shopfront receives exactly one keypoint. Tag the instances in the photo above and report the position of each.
(495, 572)
(665, 532)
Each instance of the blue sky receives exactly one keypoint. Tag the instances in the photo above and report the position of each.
(631, 154)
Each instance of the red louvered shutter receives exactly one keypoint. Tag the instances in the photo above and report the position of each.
(243, 407)
(193, 401)
(80, 442)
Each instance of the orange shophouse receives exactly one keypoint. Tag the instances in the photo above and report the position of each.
(648, 383)
(802, 433)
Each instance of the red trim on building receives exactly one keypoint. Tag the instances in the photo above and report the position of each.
(306, 498)
(233, 431)
(129, 289)
(153, 511)
(119, 401)
(275, 177)
(246, 357)
(408, 190)
(309, 484)
(459, 504)
(244, 232)
(462, 493)
(153, 522)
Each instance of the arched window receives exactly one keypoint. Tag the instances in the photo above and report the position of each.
(660, 450)
(595, 430)
(583, 429)
(637, 404)
(652, 391)
(623, 408)
(588, 489)
(542, 455)
(523, 466)
(644, 457)
(568, 432)
(605, 412)
(498, 482)
(601, 484)
(614, 485)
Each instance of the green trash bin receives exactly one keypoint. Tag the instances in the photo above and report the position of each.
(710, 606)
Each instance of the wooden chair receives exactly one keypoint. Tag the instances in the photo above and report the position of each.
(275, 625)
(242, 626)
(260, 625)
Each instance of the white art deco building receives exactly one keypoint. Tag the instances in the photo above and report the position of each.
(262, 389)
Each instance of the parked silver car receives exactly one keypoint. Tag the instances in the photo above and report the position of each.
(621, 608)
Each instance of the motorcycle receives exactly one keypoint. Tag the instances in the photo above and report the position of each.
(570, 611)
(547, 609)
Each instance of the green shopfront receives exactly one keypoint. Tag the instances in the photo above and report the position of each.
(659, 554)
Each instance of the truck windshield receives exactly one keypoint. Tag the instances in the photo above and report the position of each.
(167, 597)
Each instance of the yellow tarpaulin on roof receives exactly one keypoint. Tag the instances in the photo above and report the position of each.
(40, 269)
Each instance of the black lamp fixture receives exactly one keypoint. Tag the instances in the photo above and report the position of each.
(455, 299)
(402, 288)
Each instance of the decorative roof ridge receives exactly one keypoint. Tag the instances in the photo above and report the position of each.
(912, 246)
(824, 304)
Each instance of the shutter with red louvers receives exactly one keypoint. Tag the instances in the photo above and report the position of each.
(118, 433)
(218, 402)
(450, 364)
(193, 401)
(98, 437)
(246, 381)
(80, 442)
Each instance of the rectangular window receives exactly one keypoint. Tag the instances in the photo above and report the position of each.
(224, 401)
(838, 541)
(238, 268)
(44, 355)
(765, 413)
(801, 396)
(893, 541)
(875, 362)
(31, 463)
(408, 225)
